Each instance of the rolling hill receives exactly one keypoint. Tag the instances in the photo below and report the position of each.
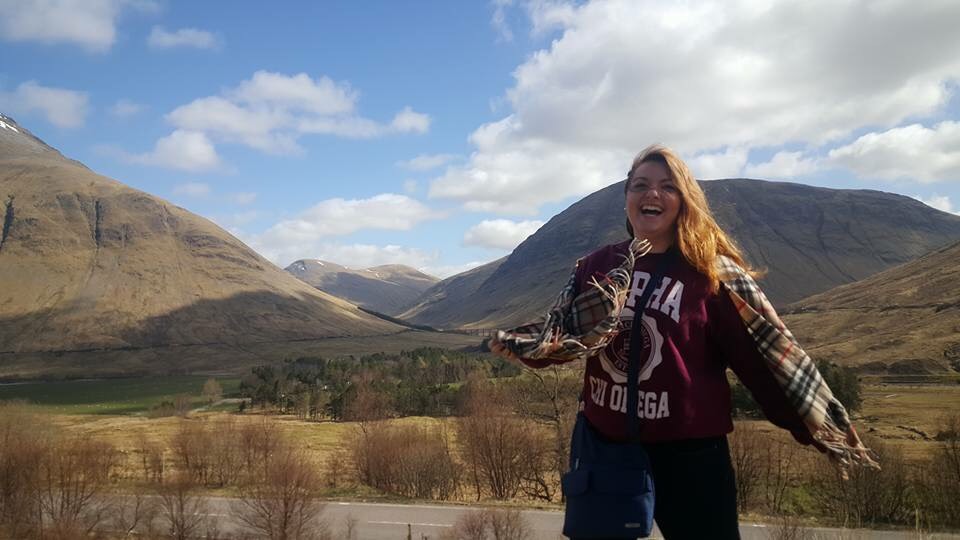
(905, 320)
(118, 281)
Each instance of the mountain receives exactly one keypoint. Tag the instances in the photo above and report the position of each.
(903, 320)
(91, 265)
(387, 289)
(809, 239)
(442, 302)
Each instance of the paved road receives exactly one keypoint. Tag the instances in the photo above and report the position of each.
(427, 522)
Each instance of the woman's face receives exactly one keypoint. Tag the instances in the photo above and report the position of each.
(653, 204)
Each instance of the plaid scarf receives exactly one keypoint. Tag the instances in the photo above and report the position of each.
(577, 327)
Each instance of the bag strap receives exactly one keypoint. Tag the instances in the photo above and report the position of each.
(636, 345)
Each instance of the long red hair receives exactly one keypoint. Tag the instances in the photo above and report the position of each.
(699, 238)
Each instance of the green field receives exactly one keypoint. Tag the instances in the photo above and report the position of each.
(110, 396)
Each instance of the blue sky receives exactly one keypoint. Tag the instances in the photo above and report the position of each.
(440, 134)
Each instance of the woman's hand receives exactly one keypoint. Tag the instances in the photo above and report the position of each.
(501, 350)
(861, 452)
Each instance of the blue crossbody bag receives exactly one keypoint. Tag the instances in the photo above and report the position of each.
(609, 489)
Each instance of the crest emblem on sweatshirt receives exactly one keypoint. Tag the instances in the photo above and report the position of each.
(615, 358)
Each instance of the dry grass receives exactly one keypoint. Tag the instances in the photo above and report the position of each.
(891, 411)
(885, 409)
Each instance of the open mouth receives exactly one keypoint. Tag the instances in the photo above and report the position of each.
(649, 210)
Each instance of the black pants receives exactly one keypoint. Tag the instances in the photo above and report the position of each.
(696, 496)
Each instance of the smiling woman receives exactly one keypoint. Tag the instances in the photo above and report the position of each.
(658, 389)
(653, 202)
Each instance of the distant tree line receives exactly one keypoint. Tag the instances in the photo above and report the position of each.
(423, 382)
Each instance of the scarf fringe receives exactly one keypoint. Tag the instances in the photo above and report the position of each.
(840, 451)
(613, 292)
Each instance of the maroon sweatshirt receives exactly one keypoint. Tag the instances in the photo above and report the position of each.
(690, 337)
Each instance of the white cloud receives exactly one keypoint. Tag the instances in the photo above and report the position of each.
(783, 165)
(228, 121)
(350, 255)
(940, 202)
(410, 121)
(313, 228)
(500, 233)
(499, 20)
(516, 180)
(242, 198)
(322, 96)
(444, 271)
(88, 23)
(184, 150)
(124, 108)
(334, 217)
(192, 189)
(548, 15)
(726, 164)
(270, 111)
(426, 162)
(233, 222)
(705, 78)
(62, 108)
(910, 152)
(160, 38)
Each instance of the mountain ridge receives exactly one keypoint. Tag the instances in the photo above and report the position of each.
(90, 264)
(387, 288)
(810, 239)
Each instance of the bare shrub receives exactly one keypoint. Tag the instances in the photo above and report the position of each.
(191, 444)
(779, 461)
(208, 451)
(182, 509)
(789, 528)
(212, 391)
(151, 457)
(279, 500)
(73, 475)
(134, 515)
(869, 496)
(490, 524)
(549, 397)
(181, 405)
(937, 483)
(24, 440)
(163, 409)
(406, 460)
(336, 472)
(470, 526)
(746, 454)
(226, 454)
(538, 475)
(257, 441)
(178, 406)
(365, 402)
(496, 445)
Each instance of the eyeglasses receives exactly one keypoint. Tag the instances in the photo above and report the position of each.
(641, 186)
